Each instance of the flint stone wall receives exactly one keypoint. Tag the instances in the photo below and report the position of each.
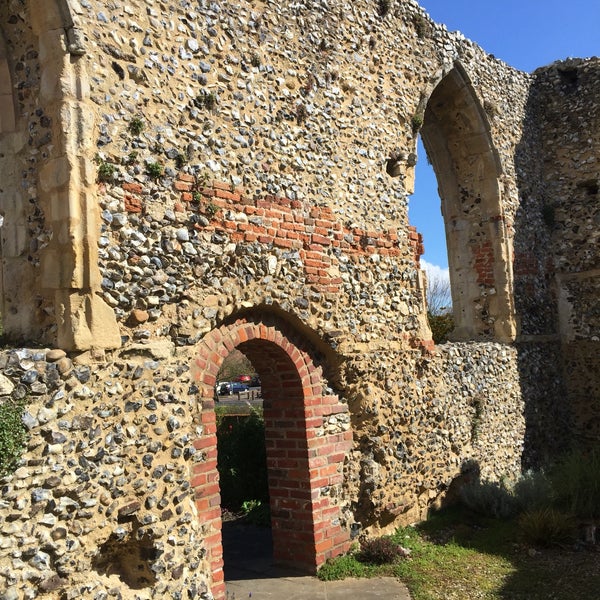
(258, 181)
(102, 500)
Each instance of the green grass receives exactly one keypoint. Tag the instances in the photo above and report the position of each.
(459, 555)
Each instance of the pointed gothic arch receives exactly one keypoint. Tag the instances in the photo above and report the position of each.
(456, 135)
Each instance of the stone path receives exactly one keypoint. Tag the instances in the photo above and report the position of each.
(249, 573)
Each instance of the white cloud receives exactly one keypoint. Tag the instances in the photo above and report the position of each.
(434, 272)
(439, 297)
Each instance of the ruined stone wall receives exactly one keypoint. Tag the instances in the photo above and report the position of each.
(232, 167)
(565, 208)
(304, 102)
(103, 498)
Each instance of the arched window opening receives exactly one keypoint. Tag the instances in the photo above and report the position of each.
(425, 215)
(457, 139)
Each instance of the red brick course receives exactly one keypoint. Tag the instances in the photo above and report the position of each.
(286, 224)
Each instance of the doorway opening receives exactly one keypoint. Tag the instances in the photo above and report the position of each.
(242, 466)
(307, 436)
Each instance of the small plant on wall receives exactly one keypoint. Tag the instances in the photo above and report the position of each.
(154, 170)
(136, 126)
(422, 26)
(211, 209)
(207, 100)
(417, 122)
(106, 170)
(13, 435)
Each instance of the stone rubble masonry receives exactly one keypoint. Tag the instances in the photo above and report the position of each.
(180, 179)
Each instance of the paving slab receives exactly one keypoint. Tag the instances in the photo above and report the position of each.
(251, 574)
(310, 588)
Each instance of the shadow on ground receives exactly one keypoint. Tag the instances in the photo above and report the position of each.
(248, 553)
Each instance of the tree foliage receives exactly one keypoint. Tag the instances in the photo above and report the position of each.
(241, 460)
(234, 365)
(439, 307)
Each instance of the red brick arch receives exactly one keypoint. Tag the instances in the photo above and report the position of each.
(304, 460)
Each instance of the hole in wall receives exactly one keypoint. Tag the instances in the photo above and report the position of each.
(130, 556)
(590, 186)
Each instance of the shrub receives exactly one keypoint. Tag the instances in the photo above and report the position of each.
(441, 326)
(546, 527)
(489, 499)
(576, 484)
(241, 460)
(533, 491)
(380, 551)
(13, 435)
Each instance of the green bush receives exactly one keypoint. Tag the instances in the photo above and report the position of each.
(441, 325)
(546, 527)
(533, 491)
(489, 499)
(13, 435)
(241, 460)
(576, 484)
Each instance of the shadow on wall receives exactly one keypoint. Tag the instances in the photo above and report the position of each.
(548, 414)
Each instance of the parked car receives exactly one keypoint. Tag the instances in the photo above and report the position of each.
(238, 386)
(227, 388)
(223, 388)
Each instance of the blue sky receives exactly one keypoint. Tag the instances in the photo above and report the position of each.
(526, 34)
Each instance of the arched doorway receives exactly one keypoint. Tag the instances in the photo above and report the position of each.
(456, 135)
(307, 436)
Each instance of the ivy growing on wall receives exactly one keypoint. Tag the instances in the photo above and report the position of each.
(13, 434)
